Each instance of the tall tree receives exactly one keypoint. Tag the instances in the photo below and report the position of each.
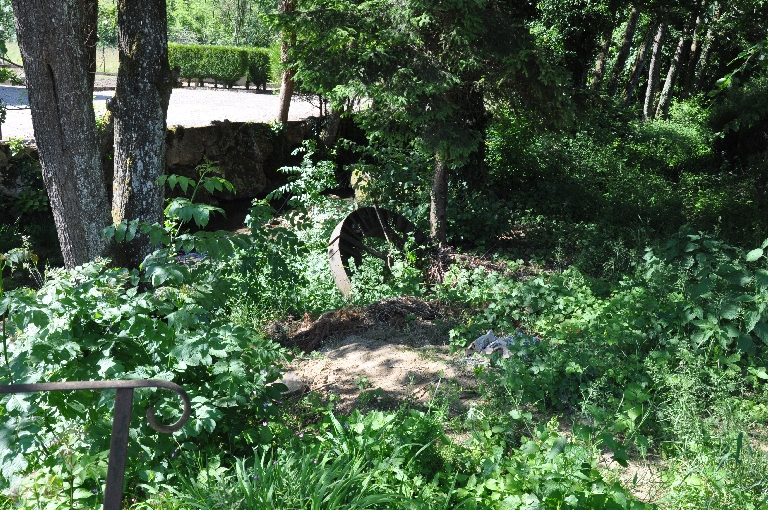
(693, 56)
(56, 64)
(626, 46)
(674, 69)
(653, 71)
(639, 66)
(424, 70)
(287, 83)
(140, 105)
(55, 43)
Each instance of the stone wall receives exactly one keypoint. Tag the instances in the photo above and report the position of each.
(247, 154)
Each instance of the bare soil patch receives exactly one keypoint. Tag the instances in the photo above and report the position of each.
(378, 357)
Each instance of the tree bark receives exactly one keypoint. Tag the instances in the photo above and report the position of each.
(692, 57)
(50, 36)
(331, 131)
(674, 68)
(638, 68)
(90, 22)
(438, 204)
(599, 71)
(626, 45)
(144, 84)
(700, 76)
(653, 72)
(287, 84)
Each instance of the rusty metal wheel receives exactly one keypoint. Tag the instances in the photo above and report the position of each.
(348, 240)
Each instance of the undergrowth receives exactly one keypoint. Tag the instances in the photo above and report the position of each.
(640, 332)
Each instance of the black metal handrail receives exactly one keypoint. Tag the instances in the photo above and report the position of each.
(121, 422)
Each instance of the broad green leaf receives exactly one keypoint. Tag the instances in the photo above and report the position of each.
(120, 232)
(156, 236)
(761, 278)
(133, 225)
(761, 330)
(754, 254)
(750, 319)
(745, 343)
(728, 310)
(185, 183)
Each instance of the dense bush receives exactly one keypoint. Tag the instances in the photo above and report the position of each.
(223, 64)
(258, 70)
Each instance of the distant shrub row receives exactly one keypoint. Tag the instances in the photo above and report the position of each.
(222, 64)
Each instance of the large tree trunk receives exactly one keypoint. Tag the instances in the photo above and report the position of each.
(700, 74)
(331, 130)
(653, 72)
(605, 45)
(438, 204)
(287, 84)
(144, 84)
(90, 21)
(674, 68)
(692, 58)
(626, 45)
(56, 65)
(638, 68)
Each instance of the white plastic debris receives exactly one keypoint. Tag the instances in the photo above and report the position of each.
(489, 343)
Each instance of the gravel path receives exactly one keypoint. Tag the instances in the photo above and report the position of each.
(189, 107)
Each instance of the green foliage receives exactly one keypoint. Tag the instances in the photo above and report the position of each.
(308, 181)
(163, 322)
(218, 22)
(24, 205)
(423, 69)
(258, 70)
(107, 24)
(104, 327)
(223, 64)
(658, 362)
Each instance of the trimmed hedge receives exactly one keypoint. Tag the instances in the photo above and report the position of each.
(258, 69)
(222, 64)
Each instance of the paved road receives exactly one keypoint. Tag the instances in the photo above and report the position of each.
(188, 107)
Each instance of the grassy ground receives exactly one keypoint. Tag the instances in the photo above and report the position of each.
(106, 58)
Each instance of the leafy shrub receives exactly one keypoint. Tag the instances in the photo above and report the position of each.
(105, 328)
(225, 64)
(258, 70)
(164, 322)
(189, 58)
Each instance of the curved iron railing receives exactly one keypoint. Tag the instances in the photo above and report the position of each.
(121, 422)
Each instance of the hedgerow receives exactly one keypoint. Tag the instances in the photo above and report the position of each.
(223, 64)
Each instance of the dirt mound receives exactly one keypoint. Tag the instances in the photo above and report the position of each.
(379, 356)
(393, 312)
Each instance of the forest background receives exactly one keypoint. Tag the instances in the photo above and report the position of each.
(604, 167)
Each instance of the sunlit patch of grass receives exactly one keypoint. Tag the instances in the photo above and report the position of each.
(106, 58)
(13, 54)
